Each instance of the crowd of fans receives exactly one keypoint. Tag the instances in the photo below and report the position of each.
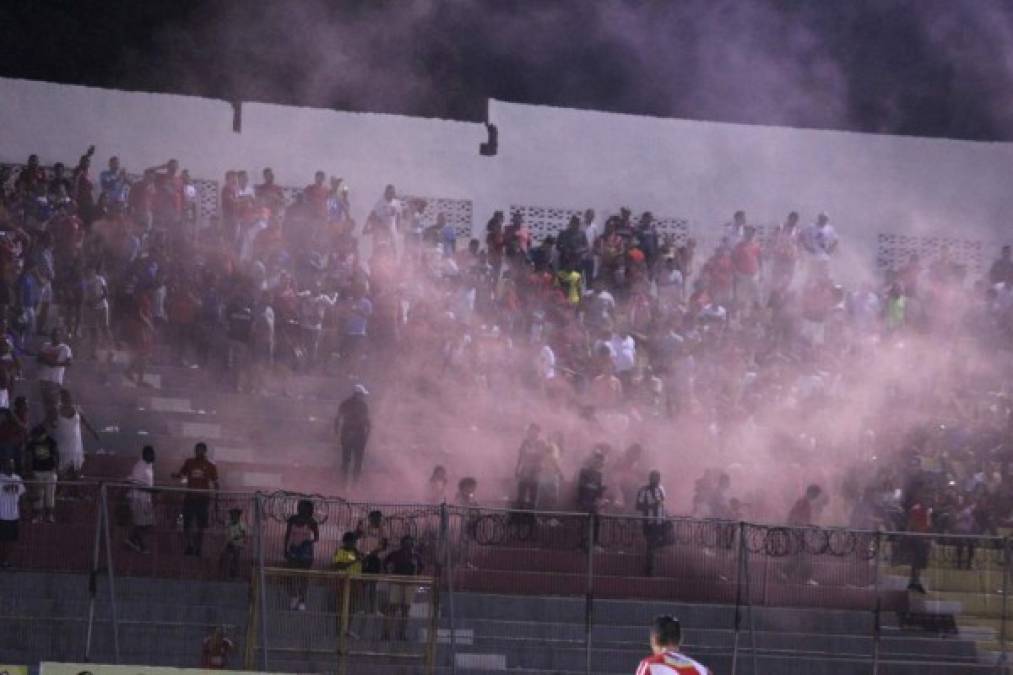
(608, 321)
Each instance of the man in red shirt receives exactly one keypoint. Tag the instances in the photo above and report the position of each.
(31, 177)
(747, 263)
(141, 198)
(315, 196)
(666, 635)
(167, 205)
(801, 513)
(269, 193)
(200, 475)
(918, 545)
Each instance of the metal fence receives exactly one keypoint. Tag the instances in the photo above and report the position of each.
(123, 536)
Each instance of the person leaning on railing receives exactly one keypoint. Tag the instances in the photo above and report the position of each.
(405, 561)
(301, 533)
(348, 559)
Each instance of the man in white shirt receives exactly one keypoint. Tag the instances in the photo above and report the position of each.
(313, 309)
(142, 515)
(819, 239)
(11, 489)
(546, 363)
(651, 505)
(387, 215)
(53, 359)
(622, 351)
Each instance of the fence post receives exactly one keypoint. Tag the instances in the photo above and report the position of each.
(749, 592)
(589, 598)
(93, 582)
(877, 608)
(1005, 592)
(740, 560)
(448, 566)
(262, 584)
(104, 498)
(343, 622)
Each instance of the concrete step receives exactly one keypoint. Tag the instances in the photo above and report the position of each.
(988, 580)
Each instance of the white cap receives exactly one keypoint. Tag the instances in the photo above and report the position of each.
(360, 389)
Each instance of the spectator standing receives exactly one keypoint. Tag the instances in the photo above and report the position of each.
(66, 428)
(235, 543)
(301, 534)
(44, 461)
(918, 544)
(747, 262)
(801, 516)
(313, 309)
(200, 475)
(784, 254)
(591, 490)
(352, 426)
(141, 199)
(168, 198)
(270, 194)
(31, 177)
(10, 370)
(348, 557)
(550, 473)
(114, 186)
(651, 505)
(385, 218)
(437, 493)
(53, 358)
(405, 561)
(529, 460)
(140, 498)
(819, 239)
(84, 190)
(356, 324)
(11, 489)
(448, 235)
(12, 439)
(1001, 271)
(315, 196)
(95, 310)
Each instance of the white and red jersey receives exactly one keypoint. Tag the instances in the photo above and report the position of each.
(671, 663)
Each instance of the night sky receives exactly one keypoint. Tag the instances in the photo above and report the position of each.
(920, 67)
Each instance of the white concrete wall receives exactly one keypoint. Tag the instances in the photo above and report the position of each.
(548, 157)
(704, 171)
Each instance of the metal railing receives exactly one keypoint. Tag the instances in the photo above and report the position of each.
(117, 533)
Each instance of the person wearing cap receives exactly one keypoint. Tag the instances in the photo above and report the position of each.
(352, 427)
(666, 636)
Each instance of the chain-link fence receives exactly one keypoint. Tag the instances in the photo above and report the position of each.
(302, 579)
